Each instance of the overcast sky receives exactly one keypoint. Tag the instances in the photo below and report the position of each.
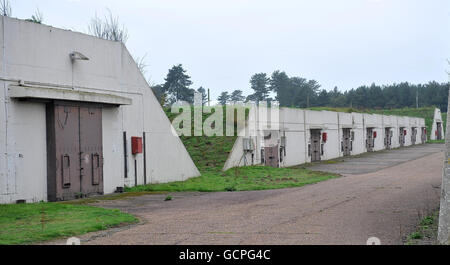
(343, 43)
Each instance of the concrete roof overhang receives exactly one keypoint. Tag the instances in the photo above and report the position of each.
(37, 92)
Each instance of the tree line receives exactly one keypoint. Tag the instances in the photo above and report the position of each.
(303, 93)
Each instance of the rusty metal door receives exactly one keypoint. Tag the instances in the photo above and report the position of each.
(401, 137)
(74, 151)
(315, 145)
(91, 162)
(346, 141)
(439, 131)
(387, 138)
(413, 135)
(67, 150)
(424, 135)
(271, 156)
(369, 140)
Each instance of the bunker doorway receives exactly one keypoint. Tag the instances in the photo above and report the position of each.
(401, 138)
(388, 138)
(370, 140)
(346, 141)
(315, 145)
(424, 135)
(413, 135)
(439, 131)
(271, 158)
(74, 150)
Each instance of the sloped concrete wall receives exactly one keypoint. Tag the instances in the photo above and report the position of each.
(436, 118)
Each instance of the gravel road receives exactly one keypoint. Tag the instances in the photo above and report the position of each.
(380, 195)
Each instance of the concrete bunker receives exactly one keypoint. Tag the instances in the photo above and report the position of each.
(71, 127)
(308, 136)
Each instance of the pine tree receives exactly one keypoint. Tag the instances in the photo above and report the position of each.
(177, 85)
(236, 96)
(223, 98)
(259, 83)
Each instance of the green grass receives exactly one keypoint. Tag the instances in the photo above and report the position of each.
(243, 178)
(436, 141)
(426, 231)
(36, 222)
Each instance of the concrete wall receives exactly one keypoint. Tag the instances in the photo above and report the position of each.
(296, 125)
(36, 55)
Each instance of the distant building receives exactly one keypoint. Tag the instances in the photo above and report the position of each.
(303, 136)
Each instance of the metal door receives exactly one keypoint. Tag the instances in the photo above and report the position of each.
(413, 135)
(401, 137)
(424, 135)
(271, 156)
(346, 142)
(67, 150)
(91, 162)
(369, 140)
(439, 131)
(74, 151)
(387, 138)
(315, 145)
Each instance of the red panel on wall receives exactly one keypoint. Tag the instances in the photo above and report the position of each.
(136, 145)
(324, 137)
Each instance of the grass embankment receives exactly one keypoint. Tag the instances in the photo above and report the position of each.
(36, 222)
(210, 154)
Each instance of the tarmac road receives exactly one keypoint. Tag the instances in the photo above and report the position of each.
(383, 195)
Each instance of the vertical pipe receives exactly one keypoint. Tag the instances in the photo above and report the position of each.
(135, 172)
(125, 154)
(145, 158)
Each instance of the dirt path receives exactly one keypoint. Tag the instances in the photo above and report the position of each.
(386, 203)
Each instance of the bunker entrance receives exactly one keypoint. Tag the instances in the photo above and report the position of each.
(401, 137)
(388, 138)
(424, 135)
(346, 141)
(370, 140)
(315, 146)
(74, 150)
(413, 135)
(439, 131)
(271, 156)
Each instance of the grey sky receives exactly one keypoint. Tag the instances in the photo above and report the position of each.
(343, 43)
